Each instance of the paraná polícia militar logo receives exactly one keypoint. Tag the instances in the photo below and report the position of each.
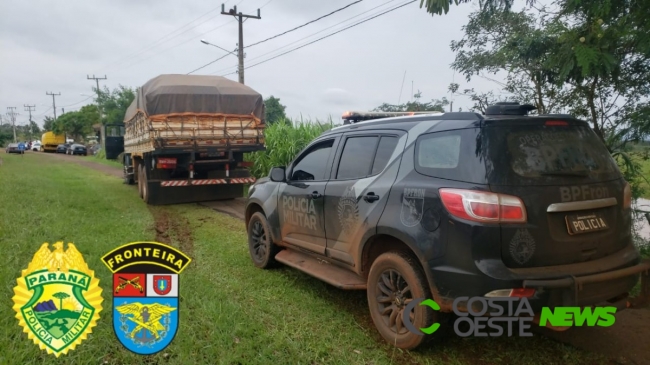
(57, 299)
(145, 294)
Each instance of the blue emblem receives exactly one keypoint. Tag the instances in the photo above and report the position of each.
(145, 325)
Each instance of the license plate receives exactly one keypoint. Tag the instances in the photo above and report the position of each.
(585, 223)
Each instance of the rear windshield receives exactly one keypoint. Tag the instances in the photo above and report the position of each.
(547, 154)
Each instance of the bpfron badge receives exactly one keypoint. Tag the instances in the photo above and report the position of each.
(57, 299)
(412, 207)
(145, 294)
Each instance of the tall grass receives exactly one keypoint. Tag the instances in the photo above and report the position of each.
(284, 140)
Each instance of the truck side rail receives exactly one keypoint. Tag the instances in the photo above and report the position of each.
(145, 134)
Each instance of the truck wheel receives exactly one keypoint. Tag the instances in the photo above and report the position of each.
(140, 180)
(395, 279)
(261, 247)
(145, 186)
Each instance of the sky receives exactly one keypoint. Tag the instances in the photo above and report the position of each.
(53, 46)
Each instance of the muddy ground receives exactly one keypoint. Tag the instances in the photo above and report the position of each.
(627, 342)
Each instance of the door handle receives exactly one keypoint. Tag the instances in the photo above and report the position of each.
(314, 195)
(371, 197)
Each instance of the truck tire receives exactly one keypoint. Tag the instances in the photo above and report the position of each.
(260, 246)
(395, 279)
(140, 180)
(145, 186)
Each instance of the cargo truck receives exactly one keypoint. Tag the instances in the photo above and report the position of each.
(50, 141)
(186, 135)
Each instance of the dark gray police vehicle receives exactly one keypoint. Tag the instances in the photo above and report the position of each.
(451, 205)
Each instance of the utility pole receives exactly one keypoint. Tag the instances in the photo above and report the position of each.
(240, 46)
(97, 81)
(30, 109)
(53, 101)
(12, 115)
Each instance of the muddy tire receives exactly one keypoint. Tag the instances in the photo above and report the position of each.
(395, 279)
(146, 194)
(140, 180)
(260, 246)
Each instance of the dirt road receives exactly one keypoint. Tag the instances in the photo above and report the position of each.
(626, 342)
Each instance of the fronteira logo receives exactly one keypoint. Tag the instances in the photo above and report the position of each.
(57, 299)
(145, 294)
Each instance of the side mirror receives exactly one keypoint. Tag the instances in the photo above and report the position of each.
(278, 174)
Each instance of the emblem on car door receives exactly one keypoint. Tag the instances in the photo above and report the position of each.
(412, 206)
(348, 210)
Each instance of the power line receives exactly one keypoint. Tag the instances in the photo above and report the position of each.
(300, 26)
(79, 102)
(329, 35)
(208, 64)
(311, 35)
(163, 39)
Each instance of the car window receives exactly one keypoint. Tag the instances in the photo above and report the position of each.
(384, 152)
(439, 152)
(357, 157)
(313, 164)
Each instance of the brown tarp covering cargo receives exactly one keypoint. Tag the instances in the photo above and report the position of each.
(195, 94)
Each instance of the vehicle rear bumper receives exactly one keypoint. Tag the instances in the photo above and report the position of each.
(591, 289)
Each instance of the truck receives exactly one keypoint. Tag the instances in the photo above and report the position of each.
(185, 137)
(50, 140)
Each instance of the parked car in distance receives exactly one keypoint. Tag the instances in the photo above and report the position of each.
(62, 148)
(12, 148)
(36, 147)
(76, 149)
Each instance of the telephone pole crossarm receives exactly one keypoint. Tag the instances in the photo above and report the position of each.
(53, 101)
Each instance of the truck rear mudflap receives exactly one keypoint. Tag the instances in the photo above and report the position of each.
(191, 191)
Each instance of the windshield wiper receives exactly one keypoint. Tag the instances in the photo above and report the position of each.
(566, 173)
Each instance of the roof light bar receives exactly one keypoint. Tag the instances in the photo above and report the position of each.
(353, 117)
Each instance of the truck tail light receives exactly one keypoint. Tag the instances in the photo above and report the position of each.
(481, 206)
(166, 163)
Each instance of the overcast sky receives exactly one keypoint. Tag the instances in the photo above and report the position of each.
(53, 46)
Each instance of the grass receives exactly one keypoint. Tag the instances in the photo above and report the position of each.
(103, 161)
(231, 312)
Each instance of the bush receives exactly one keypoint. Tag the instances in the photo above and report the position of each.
(284, 141)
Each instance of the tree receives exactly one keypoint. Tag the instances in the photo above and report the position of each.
(274, 111)
(589, 60)
(48, 123)
(114, 103)
(60, 296)
(34, 130)
(77, 124)
(439, 6)
(415, 105)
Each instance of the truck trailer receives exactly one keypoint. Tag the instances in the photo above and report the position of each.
(50, 141)
(185, 137)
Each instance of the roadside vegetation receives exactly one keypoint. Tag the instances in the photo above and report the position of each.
(284, 140)
(232, 312)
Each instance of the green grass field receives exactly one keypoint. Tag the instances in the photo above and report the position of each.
(103, 161)
(231, 312)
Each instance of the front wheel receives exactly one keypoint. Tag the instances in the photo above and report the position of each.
(261, 247)
(395, 279)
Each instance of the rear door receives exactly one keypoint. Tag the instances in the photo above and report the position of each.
(570, 185)
(362, 175)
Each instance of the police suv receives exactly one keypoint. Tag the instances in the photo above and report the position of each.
(449, 205)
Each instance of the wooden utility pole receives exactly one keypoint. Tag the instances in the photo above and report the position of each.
(97, 81)
(30, 109)
(240, 46)
(53, 101)
(12, 115)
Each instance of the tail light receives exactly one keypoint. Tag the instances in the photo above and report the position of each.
(481, 206)
(556, 123)
(513, 293)
(627, 196)
(166, 163)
